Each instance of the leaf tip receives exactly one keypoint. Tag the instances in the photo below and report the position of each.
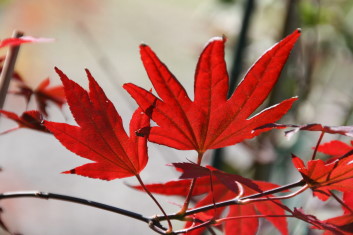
(72, 171)
(87, 71)
(57, 69)
(217, 38)
(61, 74)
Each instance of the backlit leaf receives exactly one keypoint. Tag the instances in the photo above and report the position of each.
(100, 136)
(211, 120)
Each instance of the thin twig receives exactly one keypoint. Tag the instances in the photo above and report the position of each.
(8, 68)
(170, 229)
(341, 202)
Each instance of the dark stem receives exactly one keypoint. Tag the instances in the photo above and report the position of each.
(349, 153)
(44, 195)
(236, 68)
(8, 68)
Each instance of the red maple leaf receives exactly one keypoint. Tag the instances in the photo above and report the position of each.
(323, 176)
(211, 120)
(30, 119)
(221, 192)
(100, 136)
(43, 94)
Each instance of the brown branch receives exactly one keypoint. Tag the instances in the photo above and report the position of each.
(153, 222)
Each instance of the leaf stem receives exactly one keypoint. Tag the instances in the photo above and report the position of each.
(170, 226)
(318, 144)
(341, 202)
(8, 69)
(191, 189)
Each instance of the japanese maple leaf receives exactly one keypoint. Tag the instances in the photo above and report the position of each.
(100, 136)
(24, 39)
(43, 94)
(323, 176)
(211, 120)
(30, 119)
(221, 192)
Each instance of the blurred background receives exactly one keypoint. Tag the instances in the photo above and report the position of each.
(104, 36)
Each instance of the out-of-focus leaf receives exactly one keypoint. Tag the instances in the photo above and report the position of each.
(30, 119)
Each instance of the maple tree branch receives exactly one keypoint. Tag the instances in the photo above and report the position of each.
(8, 68)
(45, 195)
(152, 222)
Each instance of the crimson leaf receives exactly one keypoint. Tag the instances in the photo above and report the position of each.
(211, 120)
(100, 136)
